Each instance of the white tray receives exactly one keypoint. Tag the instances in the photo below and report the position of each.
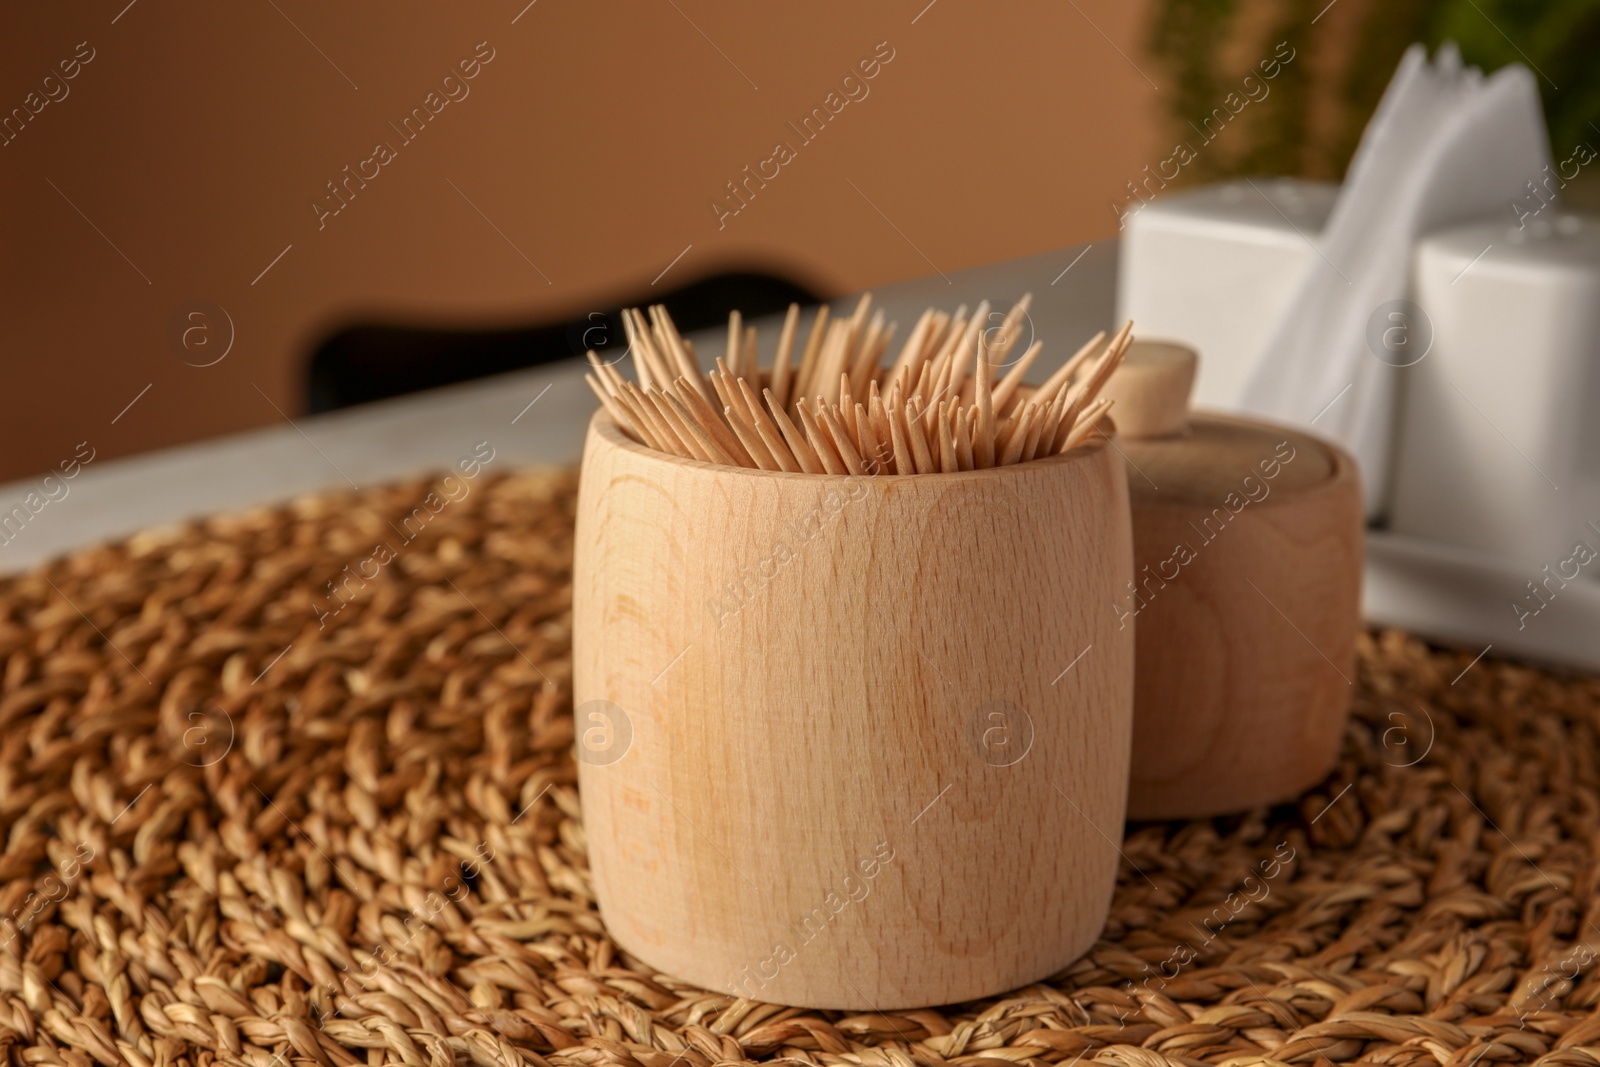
(1457, 596)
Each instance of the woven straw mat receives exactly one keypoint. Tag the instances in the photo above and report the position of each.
(230, 827)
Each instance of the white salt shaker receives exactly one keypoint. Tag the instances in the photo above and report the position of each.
(1215, 268)
(1499, 440)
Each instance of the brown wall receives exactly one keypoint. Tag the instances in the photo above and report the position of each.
(200, 134)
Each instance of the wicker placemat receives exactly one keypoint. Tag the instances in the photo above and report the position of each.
(252, 818)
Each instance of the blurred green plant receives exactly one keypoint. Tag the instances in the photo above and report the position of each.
(1558, 39)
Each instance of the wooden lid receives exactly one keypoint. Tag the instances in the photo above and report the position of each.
(1149, 393)
(1215, 456)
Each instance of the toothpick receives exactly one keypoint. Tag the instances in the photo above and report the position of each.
(780, 362)
(622, 421)
(1087, 425)
(706, 416)
(804, 453)
(886, 424)
(906, 419)
(1030, 446)
(830, 365)
(647, 414)
(881, 345)
(806, 376)
(735, 336)
(865, 358)
(984, 444)
(1009, 385)
(1009, 333)
(660, 365)
(745, 401)
(691, 448)
(968, 393)
(608, 374)
(965, 460)
(873, 457)
(971, 342)
(640, 365)
(947, 438)
(847, 410)
(940, 383)
(673, 345)
(1018, 437)
(1099, 374)
(858, 320)
(775, 445)
(767, 431)
(955, 330)
(715, 453)
(932, 343)
(1004, 430)
(1072, 404)
(821, 443)
(924, 397)
(1067, 370)
(1108, 364)
(739, 418)
(841, 441)
(1052, 423)
(910, 359)
(750, 439)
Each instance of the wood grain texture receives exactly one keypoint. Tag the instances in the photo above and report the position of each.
(860, 774)
(1248, 543)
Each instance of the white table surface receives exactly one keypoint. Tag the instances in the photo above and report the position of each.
(1445, 594)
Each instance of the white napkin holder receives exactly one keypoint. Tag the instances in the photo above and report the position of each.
(1496, 462)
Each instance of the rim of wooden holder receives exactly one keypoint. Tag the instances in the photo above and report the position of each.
(1341, 467)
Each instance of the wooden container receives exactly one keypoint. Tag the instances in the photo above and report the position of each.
(1245, 602)
(851, 742)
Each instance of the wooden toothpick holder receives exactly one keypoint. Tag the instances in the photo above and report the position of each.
(1245, 600)
(851, 742)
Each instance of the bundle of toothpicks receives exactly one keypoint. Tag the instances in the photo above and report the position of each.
(832, 407)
